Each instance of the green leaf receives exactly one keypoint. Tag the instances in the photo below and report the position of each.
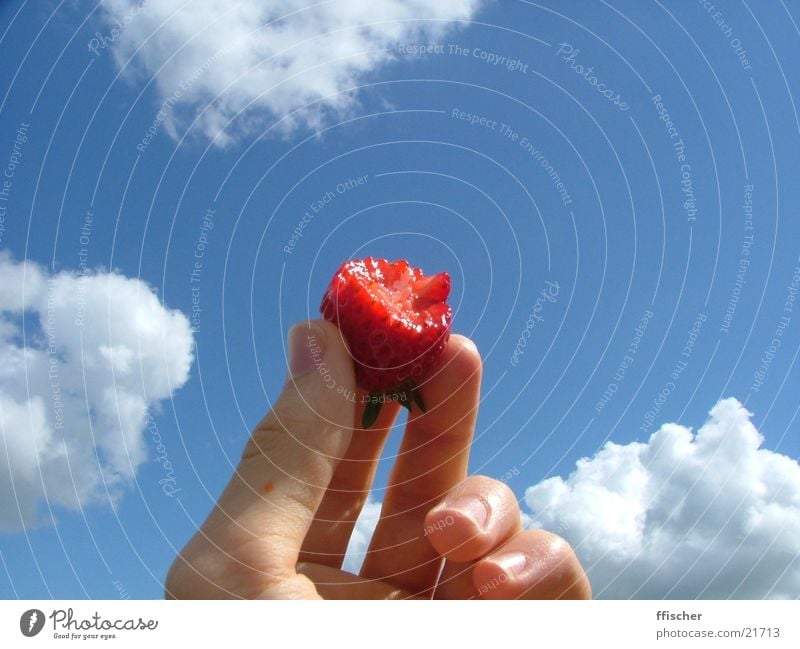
(371, 411)
(418, 399)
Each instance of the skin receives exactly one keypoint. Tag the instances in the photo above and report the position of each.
(281, 527)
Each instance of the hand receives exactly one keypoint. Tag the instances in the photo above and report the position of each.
(282, 525)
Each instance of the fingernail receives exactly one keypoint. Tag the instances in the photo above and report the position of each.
(473, 508)
(515, 564)
(306, 348)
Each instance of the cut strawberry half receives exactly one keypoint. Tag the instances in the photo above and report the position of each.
(396, 322)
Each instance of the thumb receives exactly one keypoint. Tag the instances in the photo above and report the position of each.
(266, 509)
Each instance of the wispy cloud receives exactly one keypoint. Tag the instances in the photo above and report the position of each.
(261, 62)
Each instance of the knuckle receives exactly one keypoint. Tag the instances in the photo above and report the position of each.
(301, 497)
(275, 430)
(496, 494)
(294, 425)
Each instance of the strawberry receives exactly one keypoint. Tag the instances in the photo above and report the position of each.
(396, 322)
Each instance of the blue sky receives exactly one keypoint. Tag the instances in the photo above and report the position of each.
(459, 152)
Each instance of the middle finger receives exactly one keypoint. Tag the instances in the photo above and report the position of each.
(433, 458)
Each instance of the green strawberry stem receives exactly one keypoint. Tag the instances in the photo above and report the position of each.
(405, 394)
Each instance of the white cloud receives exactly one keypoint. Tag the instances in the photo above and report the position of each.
(254, 57)
(710, 515)
(97, 352)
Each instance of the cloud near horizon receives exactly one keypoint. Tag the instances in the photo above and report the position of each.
(218, 60)
(98, 351)
(710, 515)
(683, 515)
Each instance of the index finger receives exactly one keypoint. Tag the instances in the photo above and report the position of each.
(250, 542)
(433, 458)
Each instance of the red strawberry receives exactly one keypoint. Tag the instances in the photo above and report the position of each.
(396, 322)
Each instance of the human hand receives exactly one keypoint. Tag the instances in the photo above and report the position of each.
(282, 525)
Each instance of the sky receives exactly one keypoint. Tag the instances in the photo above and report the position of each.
(611, 186)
